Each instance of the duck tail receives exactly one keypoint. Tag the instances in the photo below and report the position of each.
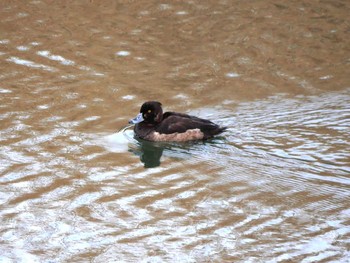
(221, 129)
(214, 132)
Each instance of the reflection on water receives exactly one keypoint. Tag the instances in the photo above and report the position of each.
(274, 188)
(149, 153)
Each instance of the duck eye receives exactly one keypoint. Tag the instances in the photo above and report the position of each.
(149, 111)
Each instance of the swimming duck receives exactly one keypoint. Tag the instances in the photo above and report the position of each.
(152, 125)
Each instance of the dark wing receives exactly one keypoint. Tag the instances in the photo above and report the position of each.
(178, 122)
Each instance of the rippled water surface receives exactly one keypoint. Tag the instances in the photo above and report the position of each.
(274, 188)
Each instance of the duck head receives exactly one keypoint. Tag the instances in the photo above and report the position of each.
(151, 112)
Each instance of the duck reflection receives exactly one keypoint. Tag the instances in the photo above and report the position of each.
(149, 153)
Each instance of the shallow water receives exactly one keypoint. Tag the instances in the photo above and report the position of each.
(274, 188)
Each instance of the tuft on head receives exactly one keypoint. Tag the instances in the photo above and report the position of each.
(150, 105)
(152, 111)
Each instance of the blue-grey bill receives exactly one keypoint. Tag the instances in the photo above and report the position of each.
(137, 119)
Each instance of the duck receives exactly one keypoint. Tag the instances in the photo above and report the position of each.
(152, 124)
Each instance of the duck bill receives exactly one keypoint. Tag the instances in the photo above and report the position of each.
(137, 119)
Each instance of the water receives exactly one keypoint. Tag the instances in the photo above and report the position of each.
(274, 188)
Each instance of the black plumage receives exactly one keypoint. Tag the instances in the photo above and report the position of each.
(153, 125)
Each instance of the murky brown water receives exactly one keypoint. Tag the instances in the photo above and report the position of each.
(274, 188)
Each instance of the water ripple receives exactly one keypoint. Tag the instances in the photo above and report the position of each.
(30, 64)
